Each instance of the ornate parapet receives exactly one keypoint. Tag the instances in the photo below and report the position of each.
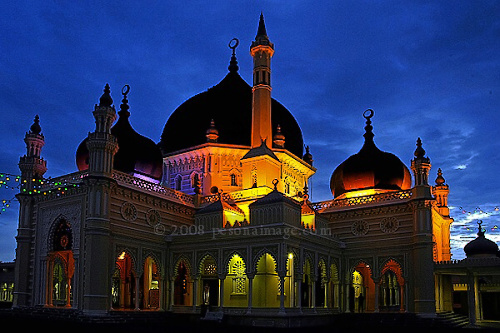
(389, 197)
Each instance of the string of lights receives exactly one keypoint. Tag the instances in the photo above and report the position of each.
(44, 186)
(478, 214)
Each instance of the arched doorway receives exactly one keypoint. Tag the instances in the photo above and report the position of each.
(320, 287)
(391, 287)
(362, 290)
(236, 283)
(61, 266)
(182, 285)
(266, 284)
(209, 282)
(150, 285)
(306, 284)
(123, 286)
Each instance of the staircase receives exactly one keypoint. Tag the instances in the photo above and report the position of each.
(451, 319)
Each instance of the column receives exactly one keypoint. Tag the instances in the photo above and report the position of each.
(472, 296)
(377, 291)
(250, 292)
(137, 294)
(313, 292)
(221, 292)
(299, 292)
(195, 293)
(282, 293)
(348, 298)
(401, 298)
(171, 291)
(160, 294)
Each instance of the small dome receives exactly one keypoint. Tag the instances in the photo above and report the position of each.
(137, 155)
(370, 169)
(481, 246)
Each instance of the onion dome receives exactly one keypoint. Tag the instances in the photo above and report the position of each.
(370, 169)
(278, 138)
(440, 179)
(36, 128)
(230, 103)
(137, 155)
(308, 158)
(481, 246)
(212, 133)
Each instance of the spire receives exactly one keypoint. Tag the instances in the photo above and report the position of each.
(124, 107)
(261, 38)
(233, 64)
(308, 158)
(106, 99)
(35, 128)
(261, 31)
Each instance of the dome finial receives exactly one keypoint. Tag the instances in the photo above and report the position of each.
(480, 232)
(124, 107)
(440, 179)
(419, 152)
(233, 64)
(35, 128)
(106, 99)
(368, 114)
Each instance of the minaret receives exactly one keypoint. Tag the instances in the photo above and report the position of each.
(440, 192)
(32, 168)
(422, 276)
(102, 146)
(261, 50)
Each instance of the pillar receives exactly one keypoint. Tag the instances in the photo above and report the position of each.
(195, 292)
(250, 292)
(282, 292)
(221, 292)
(137, 294)
(377, 294)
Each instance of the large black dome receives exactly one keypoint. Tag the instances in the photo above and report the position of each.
(229, 104)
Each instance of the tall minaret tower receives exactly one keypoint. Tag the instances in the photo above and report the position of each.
(32, 168)
(261, 50)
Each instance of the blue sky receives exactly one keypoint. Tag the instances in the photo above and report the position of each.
(428, 69)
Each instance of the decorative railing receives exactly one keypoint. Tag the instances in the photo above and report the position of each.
(247, 194)
(363, 200)
(131, 181)
(74, 178)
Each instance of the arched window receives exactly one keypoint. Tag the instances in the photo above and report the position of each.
(233, 180)
(178, 182)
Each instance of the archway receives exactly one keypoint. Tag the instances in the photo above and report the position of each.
(334, 292)
(123, 286)
(209, 282)
(182, 285)
(150, 285)
(391, 287)
(61, 265)
(236, 283)
(362, 290)
(320, 285)
(266, 284)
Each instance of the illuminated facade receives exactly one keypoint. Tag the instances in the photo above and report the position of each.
(217, 215)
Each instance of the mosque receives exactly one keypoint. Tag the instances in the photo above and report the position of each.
(216, 218)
